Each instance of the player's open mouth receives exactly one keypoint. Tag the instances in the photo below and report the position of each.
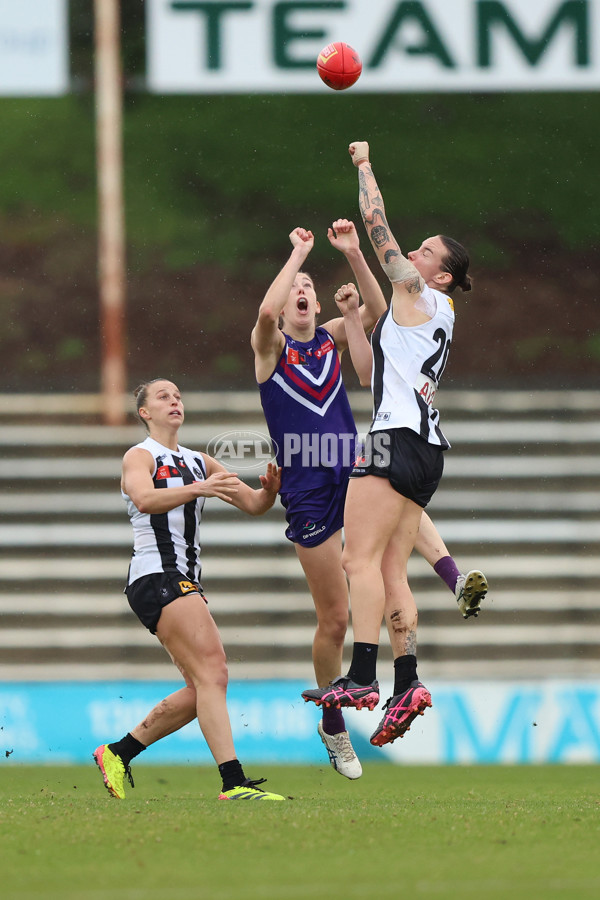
(303, 304)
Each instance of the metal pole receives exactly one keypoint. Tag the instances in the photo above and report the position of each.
(111, 224)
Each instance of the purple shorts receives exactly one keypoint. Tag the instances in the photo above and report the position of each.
(313, 516)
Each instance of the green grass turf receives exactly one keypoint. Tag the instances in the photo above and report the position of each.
(485, 832)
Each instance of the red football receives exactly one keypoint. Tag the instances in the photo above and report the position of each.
(339, 66)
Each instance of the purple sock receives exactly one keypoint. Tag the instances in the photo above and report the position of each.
(446, 569)
(333, 720)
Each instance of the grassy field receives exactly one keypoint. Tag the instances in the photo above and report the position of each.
(423, 832)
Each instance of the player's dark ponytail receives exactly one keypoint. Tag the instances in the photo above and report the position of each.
(456, 262)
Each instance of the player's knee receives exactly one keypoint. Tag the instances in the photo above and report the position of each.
(211, 670)
(351, 562)
(334, 626)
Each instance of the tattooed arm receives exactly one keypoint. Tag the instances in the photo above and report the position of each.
(397, 267)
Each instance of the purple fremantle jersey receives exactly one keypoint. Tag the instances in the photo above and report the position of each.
(308, 414)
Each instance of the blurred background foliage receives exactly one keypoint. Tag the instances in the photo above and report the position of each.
(214, 185)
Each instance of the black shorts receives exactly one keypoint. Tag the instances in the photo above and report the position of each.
(149, 594)
(412, 465)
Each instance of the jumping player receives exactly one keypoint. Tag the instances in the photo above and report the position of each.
(297, 365)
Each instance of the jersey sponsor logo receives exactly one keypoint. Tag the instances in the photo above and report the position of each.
(166, 472)
(187, 586)
(295, 358)
(327, 347)
(382, 417)
(425, 388)
(311, 532)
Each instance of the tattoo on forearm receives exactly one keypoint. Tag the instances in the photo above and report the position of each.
(390, 256)
(379, 235)
(363, 192)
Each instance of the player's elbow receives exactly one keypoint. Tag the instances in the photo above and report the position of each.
(268, 314)
(143, 504)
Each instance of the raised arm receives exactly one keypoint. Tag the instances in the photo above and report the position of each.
(400, 271)
(343, 236)
(266, 339)
(347, 300)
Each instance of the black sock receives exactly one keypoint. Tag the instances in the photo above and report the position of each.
(405, 672)
(363, 667)
(127, 748)
(232, 774)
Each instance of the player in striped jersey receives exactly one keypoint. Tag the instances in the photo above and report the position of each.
(310, 422)
(403, 461)
(164, 485)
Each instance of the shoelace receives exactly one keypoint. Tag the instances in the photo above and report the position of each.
(251, 783)
(345, 748)
(129, 775)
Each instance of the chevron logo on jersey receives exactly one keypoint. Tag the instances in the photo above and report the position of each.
(310, 387)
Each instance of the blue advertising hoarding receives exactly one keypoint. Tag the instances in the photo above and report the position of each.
(470, 723)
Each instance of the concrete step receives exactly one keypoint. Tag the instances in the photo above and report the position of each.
(489, 402)
(29, 504)
(526, 434)
(541, 567)
(253, 533)
(301, 636)
(494, 467)
(463, 669)
(103, 604)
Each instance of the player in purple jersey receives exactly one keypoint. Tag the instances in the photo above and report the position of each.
(310, 422)
(298, 371)
(165, 486)
(384, 506)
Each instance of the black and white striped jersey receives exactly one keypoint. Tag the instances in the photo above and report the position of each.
(168, 542)
(408, 362)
